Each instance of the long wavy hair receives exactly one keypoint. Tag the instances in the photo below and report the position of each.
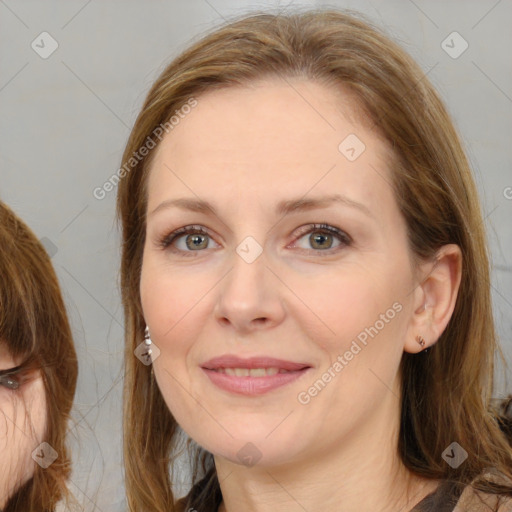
(34, 326)
(446, 392)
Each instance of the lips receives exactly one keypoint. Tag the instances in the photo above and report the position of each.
(252, 376)
(231, 361)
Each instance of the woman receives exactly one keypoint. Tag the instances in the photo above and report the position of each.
(38, 372)
(304, 264)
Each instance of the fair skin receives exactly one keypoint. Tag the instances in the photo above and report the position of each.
(244, 150)
(22, 423)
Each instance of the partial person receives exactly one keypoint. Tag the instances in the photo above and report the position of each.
(305, 280)
(38, 374)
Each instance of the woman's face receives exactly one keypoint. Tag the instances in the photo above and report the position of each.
(304, 259)
(22, 423)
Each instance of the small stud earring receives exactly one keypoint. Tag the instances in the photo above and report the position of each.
(420, 340)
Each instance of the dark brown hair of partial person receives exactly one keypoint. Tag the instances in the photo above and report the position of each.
(446, 392)
(35, 327)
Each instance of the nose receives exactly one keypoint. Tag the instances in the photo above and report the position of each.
(250, 296)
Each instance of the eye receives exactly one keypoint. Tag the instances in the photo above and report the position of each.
(322, 236)
(187, 239)
(9, 382)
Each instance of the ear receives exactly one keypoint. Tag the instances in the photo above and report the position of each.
(434, 298)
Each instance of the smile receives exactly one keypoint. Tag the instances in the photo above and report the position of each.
(254, 381)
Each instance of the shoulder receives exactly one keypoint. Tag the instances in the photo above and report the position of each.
(476, 501)
(472, 500)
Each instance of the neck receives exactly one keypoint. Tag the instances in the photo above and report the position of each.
(360, 472)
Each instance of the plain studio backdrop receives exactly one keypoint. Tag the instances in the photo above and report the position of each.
(73, 75)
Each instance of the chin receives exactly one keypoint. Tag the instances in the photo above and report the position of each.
(252, 451)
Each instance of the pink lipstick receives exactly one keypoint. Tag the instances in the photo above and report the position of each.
(252, 376)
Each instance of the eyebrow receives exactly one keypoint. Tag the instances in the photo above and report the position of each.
(284, 207)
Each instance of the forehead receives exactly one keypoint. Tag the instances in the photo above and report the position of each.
(272, 137)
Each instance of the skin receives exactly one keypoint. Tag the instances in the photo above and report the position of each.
(22, 426)
(245, 149)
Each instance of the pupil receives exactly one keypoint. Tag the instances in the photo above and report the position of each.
(196, 240)
(319, 239)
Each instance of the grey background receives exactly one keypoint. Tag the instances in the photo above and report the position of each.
(64, 121)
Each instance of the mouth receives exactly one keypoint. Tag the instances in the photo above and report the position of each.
(246, 372)
(228, 362)
(253, 376)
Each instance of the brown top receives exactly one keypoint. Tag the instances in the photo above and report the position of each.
(443, 499)
(446, 498)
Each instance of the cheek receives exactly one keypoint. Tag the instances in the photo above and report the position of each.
(175, 308)
(172, 298)
(22, 427)
(363, 320)
(342, 305)
(367, 311)
(35, 397)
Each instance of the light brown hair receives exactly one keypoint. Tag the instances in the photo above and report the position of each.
(446, 392)
(35, 328)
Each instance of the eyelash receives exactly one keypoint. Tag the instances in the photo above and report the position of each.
(344, 238)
